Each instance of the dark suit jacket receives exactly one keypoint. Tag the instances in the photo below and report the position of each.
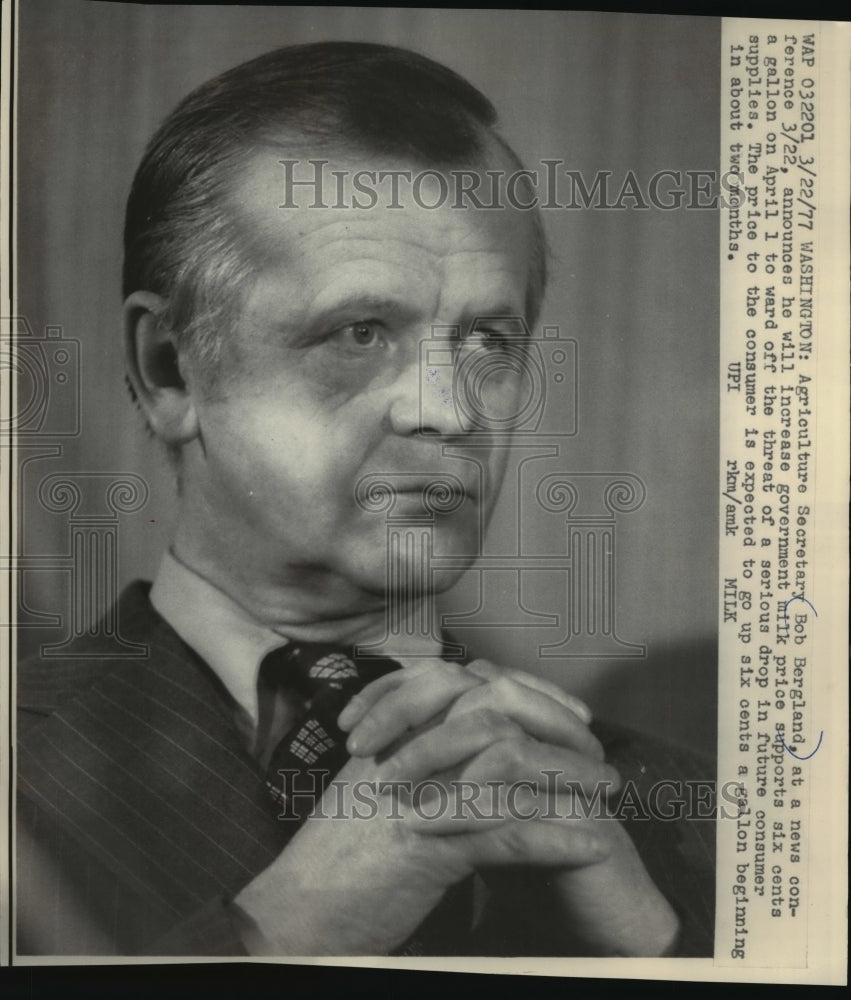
(140, 812)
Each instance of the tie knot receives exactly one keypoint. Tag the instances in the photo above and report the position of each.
(311, 667)
(326, 677)
(307, 667)
(319, 664)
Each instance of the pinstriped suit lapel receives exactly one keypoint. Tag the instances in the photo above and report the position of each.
(139, 763)
(146, 769)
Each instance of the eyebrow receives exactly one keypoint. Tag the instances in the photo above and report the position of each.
(503, 311)
(367, 303)
(355, 307)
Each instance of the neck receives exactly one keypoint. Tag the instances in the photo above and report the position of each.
(304, 603)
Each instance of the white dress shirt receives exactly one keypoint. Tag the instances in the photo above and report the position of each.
(226, 636)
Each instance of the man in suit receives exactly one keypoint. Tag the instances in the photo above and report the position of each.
(274, 332)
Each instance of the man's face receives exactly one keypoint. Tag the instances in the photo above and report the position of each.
(322, 383)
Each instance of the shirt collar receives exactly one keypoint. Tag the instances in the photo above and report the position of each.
(228, 639)
(223, 634)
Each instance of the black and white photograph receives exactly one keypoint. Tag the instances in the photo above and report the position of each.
(366, 426)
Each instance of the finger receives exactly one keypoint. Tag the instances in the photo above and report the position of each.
(464, 806)
(411, 704)
(490, 671)
(537, 713)
(549, 768)
(361, 703)
(487, 747)
(449, 745)
(545, 843)
(456, 807)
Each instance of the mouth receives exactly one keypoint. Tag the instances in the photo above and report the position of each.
(437, 496)
(442, 494)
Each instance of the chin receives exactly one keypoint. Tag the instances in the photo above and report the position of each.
(411, 577)
(444, 580)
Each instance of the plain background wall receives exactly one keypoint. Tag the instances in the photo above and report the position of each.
(637, 289)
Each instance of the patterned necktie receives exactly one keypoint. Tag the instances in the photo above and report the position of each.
(313, 751)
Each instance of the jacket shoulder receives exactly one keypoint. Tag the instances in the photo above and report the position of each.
(49, 680)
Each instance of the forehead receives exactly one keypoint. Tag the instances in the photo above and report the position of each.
(364, 219)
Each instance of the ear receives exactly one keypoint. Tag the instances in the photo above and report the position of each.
(153, 368)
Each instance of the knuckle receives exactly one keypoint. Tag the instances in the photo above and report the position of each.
(451, 679)
(489, 759)
(488, 720)
(454, 672)
(506, 689)
(399, 705)
(503, 756)
(485, 670)
(497, 725)
(404, 759)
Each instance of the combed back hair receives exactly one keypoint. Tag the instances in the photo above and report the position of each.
(180, 239)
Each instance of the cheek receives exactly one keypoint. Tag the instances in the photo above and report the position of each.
(288, 463)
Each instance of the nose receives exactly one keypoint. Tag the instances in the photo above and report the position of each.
(423, 397)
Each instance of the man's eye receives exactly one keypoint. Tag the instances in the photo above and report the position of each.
(365, 335)
(508, 335)
(490, 338)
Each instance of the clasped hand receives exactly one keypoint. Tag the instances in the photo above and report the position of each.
(503, 752)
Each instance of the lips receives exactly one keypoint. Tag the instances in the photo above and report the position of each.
(437, 487)
(436, 496)
(438, 493)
